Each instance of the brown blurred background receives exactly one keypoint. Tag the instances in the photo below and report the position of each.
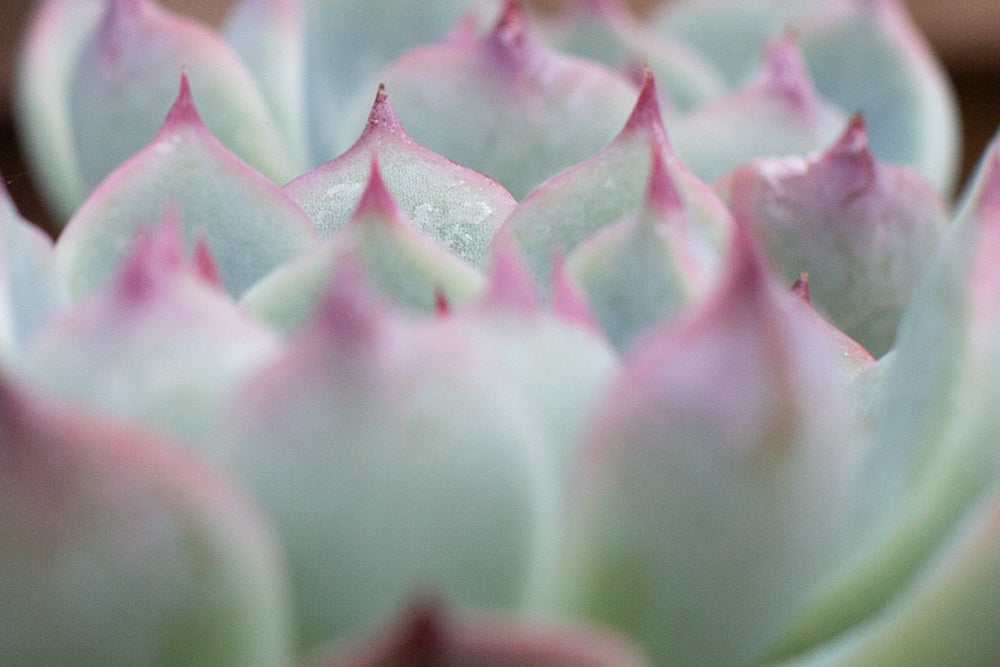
(965, 33)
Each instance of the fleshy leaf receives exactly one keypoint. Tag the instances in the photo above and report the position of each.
(366, 35)
(776, 113)
(268, 37)
(159, 345)
(369, 415)
(605, 30)
(865, 56)
(871, 58)
(124, 82)
(120, 548)
(408, 267)
(862, 229)
(458, 207)
(248, 224)
(713, 484)
(648, 266)
(507, 105)
(29, 289)
(46, 67)
(577, 202)
(433, 635)
(946, 614)
(853, 358)
(730, 33)
(935, 444)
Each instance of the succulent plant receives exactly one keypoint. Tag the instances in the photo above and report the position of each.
(604, 340)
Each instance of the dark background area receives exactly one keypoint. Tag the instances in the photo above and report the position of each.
(965, 34)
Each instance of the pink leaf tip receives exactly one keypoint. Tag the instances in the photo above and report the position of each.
(851, 158)
(569, 301)
(182, 112)
(382, 117)
(646, 114)
(376, 198)
(205, 266)
(509, 39)
(661, 192)
(800, 288)
(785, 74)
(510, 285)
(987, 206)
(349, 312)
(154, 255)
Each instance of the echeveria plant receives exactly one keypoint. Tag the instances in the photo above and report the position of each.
(604, 340)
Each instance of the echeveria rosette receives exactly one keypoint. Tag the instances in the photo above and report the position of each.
(863, 229)
(97, 352)
(711, 490)
(121, 548)
(249, 225)
(407, 266)
(369, 414)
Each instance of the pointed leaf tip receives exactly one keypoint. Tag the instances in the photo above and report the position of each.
(382, 117)
(154, 254)
(376, 198)
(348, 312)
(988, 202)
(510, 284)
(183, 111)
(646, 112)
(800, 288)
(205, 266)
(569, 301)
(785, 73)
(661, 193)
(851, 158)
(511, 24)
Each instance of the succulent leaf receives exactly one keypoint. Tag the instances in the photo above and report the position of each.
(730, 33)
(569, 207)
(604, 30)
(268, 36)
(458, 207)
(98, 352)
(405, 265)
(370, 415)
(712, 486)
(778, 112)
(120, 548)
(55, 37)
(934, 440)
(248, 223)
(507, 105)
(369, 35)
(863, 230)
(124, 82)
(648, 266)
(29, 287)
(870, 58)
